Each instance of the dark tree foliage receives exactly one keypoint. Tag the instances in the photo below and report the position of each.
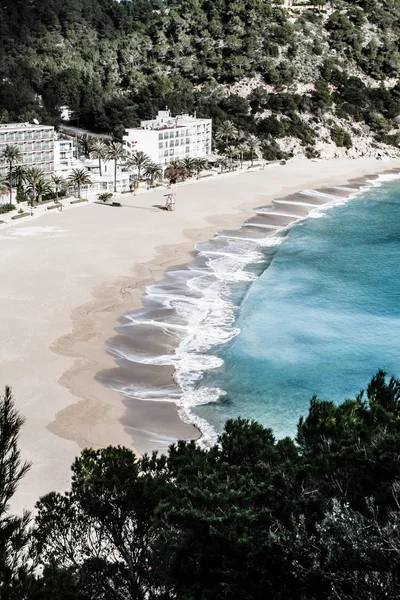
(101, 532)
(14, 571)
(116, 62)
(248, 518)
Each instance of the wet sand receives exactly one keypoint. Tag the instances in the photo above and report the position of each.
(67, 279)
(174, 323)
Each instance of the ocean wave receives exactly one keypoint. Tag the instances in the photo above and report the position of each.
(201, 301)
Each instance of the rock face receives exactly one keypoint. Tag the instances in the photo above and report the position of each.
(359, 150)
(363, 142)
(363, 146)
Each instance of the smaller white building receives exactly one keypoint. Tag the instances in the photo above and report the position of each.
(65, 113)
(100, 183)
(166, 138)
(66, 162)
(65, 154)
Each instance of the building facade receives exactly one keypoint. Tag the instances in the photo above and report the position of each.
(166, 138)
(35, 143)
(65, 153)
(105, 182)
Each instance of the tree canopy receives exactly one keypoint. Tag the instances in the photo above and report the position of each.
(251, 517)
(114, 63)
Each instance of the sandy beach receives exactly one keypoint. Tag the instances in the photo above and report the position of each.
(67, 278)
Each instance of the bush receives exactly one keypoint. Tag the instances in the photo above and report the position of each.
(271, 151)
(5, 208)
(312, 153)
(341, 137)
(105, 196)
(378, 123)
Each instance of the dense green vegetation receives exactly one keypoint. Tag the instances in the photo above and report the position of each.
(115, 62)
(249, 518)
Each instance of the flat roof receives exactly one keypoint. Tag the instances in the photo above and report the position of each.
(159, 127)
(24, 126)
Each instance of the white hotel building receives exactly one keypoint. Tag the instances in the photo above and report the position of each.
(166, 138)
(35, 143)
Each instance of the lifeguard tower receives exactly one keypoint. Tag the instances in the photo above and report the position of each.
(170, 202)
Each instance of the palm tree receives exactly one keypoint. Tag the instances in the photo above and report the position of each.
(242, 149)
(116, 152)
(189, 165)
(3, 187)
(175, 174)
(223, 163)
(58, 183)
(43, 187)
(19, 179)
(200, 164)
(10, 155)
(153, 172)
(98, 150)
(226, 132)
(78, 178)
(176, 164)
(139, 161)
(230, 153)
(19, 175)
(33, 176)
(253, 144)
(105, 196)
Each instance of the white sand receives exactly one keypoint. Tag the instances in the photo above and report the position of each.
(67, 277)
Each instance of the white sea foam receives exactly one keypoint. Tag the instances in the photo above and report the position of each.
(203, 306)
(275, 213)
(262, 225)
(384, 177)
(317, 194)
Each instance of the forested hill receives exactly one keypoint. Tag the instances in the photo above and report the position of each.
(299, 79)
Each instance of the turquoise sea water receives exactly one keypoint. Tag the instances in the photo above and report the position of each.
(321, 319)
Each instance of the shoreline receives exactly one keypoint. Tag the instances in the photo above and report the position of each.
(129, 372)
(150, 424)
(79, 272)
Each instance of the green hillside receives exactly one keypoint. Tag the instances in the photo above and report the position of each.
(325, 72)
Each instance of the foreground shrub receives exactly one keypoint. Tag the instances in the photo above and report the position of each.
(5, 208)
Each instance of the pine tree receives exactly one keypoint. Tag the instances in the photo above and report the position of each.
(14, 536)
